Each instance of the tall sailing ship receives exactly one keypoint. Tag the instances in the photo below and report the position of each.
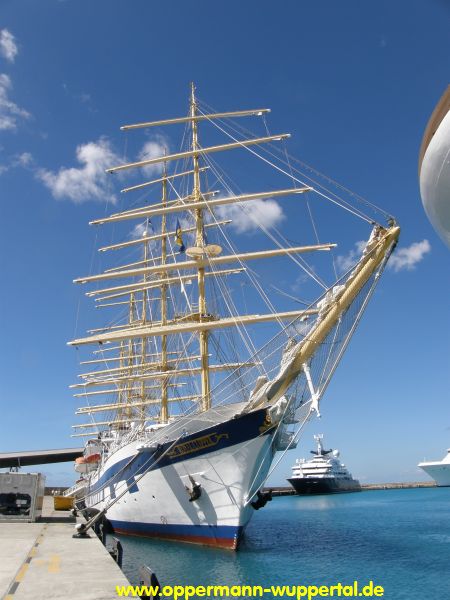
(206, 379)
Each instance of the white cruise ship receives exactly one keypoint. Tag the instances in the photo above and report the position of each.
(434, 168)
(324, 474)
(438, 470)
(434, 177)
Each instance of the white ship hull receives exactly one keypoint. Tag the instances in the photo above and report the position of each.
(434, 168)
(159, 505)
(438, 470)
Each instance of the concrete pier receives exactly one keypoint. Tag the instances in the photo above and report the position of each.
(42, 561)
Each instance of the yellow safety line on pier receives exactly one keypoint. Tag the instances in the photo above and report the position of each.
(24, 567)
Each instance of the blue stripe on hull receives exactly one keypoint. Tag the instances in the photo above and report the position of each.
(228, 433)
(221, 536)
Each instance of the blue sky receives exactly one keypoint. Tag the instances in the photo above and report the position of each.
(355, 83)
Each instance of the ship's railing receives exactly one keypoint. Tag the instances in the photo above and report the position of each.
(72, 490)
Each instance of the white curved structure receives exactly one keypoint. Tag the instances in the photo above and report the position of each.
(434, 168)
(438, 470)
(434, 177)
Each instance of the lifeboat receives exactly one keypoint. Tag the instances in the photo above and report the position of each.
(92, 458)
(86, 464)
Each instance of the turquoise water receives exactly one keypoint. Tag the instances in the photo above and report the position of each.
(400, 539)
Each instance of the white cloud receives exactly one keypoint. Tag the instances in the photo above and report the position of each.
(248, 217)
(154, 148)
(24, 160)
(87, 182)
(90, 181)
(8, 46)
(402, 258)
(347, 261)
(407, 258)
(9, 111)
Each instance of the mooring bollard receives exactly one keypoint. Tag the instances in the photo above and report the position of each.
(148, 579)
(117, 551)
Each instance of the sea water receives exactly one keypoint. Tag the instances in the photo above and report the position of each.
(399, 539)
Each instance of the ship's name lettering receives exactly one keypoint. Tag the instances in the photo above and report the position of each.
(207, 441)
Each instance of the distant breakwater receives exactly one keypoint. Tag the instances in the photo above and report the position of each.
(288, 491)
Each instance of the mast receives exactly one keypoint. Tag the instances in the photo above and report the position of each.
(144, 320)
(164, 415)
(122, 388)
(131, 372)
(130, 361)
(200, 242)
(163, 365)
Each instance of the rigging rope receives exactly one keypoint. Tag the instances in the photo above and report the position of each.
(235, 126)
